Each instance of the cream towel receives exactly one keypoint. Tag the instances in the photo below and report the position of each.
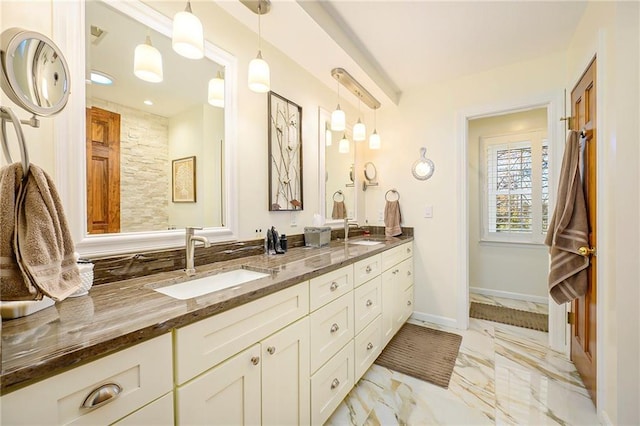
(568, 230)
(392, 219)
(339, 210)
(41, 246)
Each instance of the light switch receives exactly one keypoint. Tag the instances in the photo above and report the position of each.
(294, 219)
(428, 211)
(380, 215)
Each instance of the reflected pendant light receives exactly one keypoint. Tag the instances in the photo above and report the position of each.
(338, 117)
(216, 91)
(359, 129)
(343, 147)
(147, 62)
(259, 74)
(328, 137)
(374, 138)
(188, 37)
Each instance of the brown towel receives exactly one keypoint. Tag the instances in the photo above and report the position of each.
(568, 230)
(392, 219)
(36, 249)
(339, 210)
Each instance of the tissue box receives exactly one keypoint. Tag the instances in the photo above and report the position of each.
(317, 236)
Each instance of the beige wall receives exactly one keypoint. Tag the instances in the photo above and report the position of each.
(511, 270)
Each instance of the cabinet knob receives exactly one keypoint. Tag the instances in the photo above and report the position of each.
(255, 360)
(408, 273)
(334, 328)
(335, 383)
(408, 250)
(369, 346)
(334, 286)
(101, 395)
(369, 302)
(368, 269)
(271, 350)
(408, 302)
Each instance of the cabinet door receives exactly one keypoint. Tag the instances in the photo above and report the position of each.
(228, 394)
(285, 376)
(388, 305)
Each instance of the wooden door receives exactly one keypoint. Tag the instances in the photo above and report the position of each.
(583, 328)
(103, 171)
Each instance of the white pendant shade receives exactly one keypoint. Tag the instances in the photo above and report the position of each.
(216, 91)
(359, 131)
(338, 120)
(147, 62)
(374, 140)
(187, 38)
(259, 75)
(343, 147)
(328, 137)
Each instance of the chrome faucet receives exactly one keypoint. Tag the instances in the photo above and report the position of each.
(347, 225)
(190, 243)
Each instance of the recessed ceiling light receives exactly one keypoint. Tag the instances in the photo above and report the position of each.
(98, 77)
(148, 102)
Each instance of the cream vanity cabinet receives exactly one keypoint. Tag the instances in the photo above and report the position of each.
(134, 385)
(248, 365)
(397, 289)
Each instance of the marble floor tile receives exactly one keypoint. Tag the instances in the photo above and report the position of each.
(522, 305)
(503, 375)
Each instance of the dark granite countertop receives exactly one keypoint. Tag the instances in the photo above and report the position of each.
(117, 315)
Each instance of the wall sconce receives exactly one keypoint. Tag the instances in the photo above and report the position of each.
(147, 62)
(216, 91)
(188, 37)
(259, 74)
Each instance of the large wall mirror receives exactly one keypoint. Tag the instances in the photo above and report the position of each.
(337, 171)
(158, 155)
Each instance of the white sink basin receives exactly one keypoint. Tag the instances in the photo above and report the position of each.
(205, 285)
(365, 243)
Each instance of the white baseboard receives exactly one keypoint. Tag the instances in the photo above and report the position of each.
(509, 295)
(604, 418)
(435, 319)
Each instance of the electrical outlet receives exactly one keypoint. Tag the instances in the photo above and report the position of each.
(381, 215)
(428, 211)
(294, 219)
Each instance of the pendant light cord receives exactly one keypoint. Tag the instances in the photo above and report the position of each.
(259, 25)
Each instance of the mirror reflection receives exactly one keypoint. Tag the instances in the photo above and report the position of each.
(339, 156)
(140, 131)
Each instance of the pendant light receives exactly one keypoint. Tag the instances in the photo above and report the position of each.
(216, 91)
(374, 138)
(359, 129)
(338, 118)
(147, 62)
(343, 146)
(188, 37)
(259, 74)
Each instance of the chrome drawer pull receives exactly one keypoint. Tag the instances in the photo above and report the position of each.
(271, 350)
(368, 269)
(255, 360)
(334, 328)
(335, 383)
(408, 302)
(369, 302)
(101, 395)
(334, 286)
(370, 346)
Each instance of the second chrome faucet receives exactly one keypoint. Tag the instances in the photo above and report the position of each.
(190, 242)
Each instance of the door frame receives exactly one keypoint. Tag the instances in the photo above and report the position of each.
(553, 102)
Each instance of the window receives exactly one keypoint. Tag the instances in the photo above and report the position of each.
(515, 187)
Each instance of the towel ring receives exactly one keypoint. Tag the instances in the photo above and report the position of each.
(386, 195)
(9, 115)
(338, 193)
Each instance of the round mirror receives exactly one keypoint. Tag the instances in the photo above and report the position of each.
(423, 168)
(370, 171)
(35, 74)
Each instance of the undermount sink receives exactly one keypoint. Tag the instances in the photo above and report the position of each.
(201, 286)
(365, 242)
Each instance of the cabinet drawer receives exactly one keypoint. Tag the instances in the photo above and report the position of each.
(206, 343)
(396, 255)
(368, 345)
(331, 384)
(331, 328)
(143, 372)
(330, 286)
(368, 303)
(158, 413)
(366, 269)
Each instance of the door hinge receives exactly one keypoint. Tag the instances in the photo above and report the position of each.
(570, 318)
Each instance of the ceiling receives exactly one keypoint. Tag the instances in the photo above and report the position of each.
(393, 46)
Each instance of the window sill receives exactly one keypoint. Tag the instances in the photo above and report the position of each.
(517, 244)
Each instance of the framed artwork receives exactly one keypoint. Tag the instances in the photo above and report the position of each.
(183, 180)
(285, 154)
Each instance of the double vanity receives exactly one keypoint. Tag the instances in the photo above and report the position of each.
(283, 344)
